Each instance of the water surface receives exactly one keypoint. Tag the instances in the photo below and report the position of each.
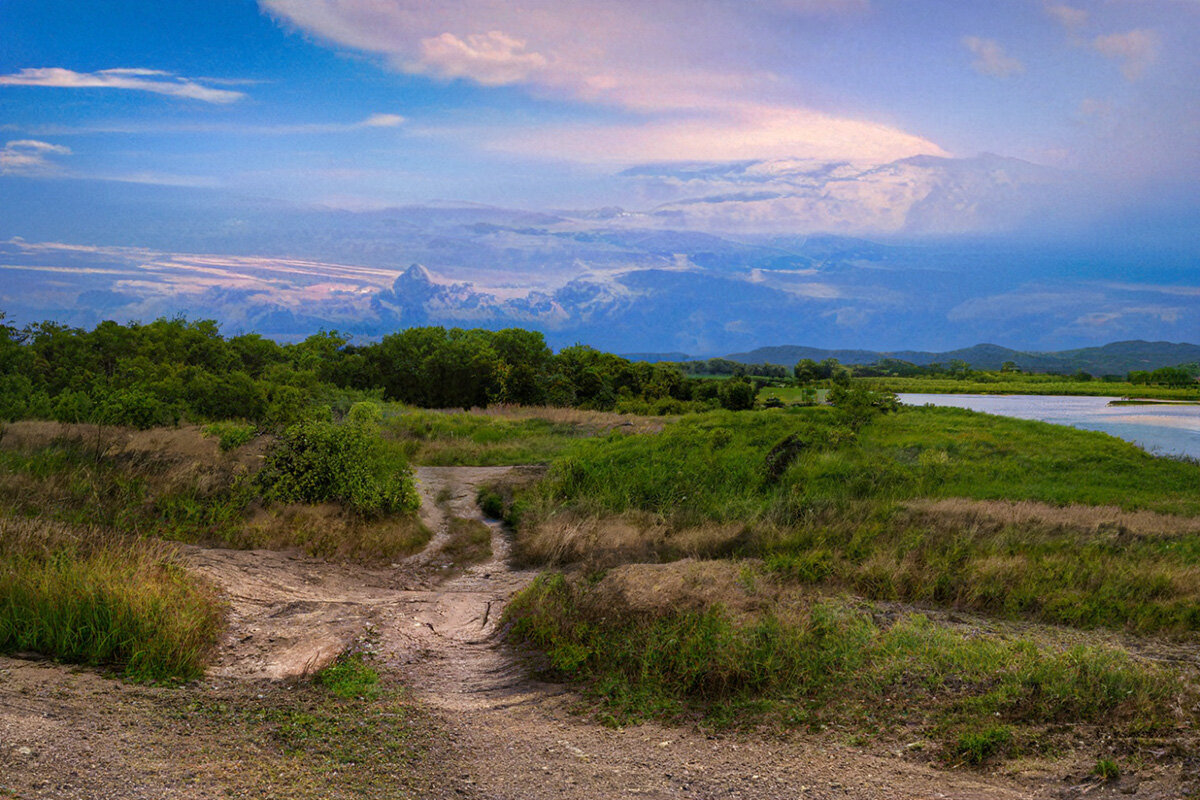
(1162, 429)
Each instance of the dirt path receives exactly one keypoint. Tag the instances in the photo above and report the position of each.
(502, 735)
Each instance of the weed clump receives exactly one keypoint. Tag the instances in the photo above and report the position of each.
(92, 598)
(349, 677)
(977, 747)
(1106, 769)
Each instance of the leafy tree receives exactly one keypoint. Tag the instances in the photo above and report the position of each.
(737, 394)
(807, 371)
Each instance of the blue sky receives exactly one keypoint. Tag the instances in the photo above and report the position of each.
(365, 103)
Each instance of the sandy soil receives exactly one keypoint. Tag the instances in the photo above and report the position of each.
(486, 729)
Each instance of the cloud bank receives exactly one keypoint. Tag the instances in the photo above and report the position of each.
(687, 94)
(143, 80)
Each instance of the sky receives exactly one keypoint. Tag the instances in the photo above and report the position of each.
(365, 103)
(1063, 135)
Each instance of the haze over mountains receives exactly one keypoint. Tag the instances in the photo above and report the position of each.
(734, 257)
(1115, 358)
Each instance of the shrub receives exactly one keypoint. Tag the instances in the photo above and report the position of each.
(318, 461)
(231, 435)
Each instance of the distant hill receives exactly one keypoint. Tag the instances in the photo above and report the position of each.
(1116, 358)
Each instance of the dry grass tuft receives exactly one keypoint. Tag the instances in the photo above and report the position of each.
(592, 421)
(655, 591)
(1105, 522)
(331, 532)
(569, 538)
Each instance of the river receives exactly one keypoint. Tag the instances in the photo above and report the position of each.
(1162, 429)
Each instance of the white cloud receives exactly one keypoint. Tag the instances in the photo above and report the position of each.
(1136, 50)
(624, 54)
(373, 121)
(492, 59)
(990, 58)
(737, 131)
(145, 80)
(30, 157)
(1068, 16)
(382, 121)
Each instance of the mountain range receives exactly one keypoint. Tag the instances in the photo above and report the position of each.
(1115, 358)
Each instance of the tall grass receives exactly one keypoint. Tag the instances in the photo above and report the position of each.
(714, 465)
(835, 514)
(94, 598)
(181, 487)
(819, 661)
(478, 438)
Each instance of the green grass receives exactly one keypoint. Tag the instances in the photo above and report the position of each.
(469, 542)
(65, 481)
(789, 394)
(308, 741)
(171, 496)
(101, 600)
(1106, 769)
(437, 438)
(231, 435)
(978, 746)
(1016, 383)
(351, 676)
(835, 515)
(824, 662)
(713, 465)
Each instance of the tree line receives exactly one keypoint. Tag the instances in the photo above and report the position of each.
(807, 371)
(169, 370)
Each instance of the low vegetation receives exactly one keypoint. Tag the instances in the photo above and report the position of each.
(1034, 384)
(177, 484)
(792, 566)
(86, 596)
(725, 641)
(468, 541)
(837, 513)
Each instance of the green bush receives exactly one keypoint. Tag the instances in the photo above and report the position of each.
(231, 435)
(318, 461)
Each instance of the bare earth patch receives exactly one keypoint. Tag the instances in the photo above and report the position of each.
(470, 724)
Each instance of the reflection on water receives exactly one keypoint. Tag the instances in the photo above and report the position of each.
(1162, 429)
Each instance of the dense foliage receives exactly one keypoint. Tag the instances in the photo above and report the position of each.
(318, 461)
(160, 373)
